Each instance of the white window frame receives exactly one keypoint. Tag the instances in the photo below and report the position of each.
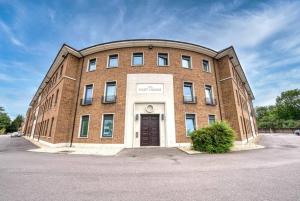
(88, 65)
(107, 63)
(87, 136)
(211, 115)
(106, 85)
(185, 55)
(158, 59)
(193, 88)
(196, 126)
(132, 64)
(113, 129)
(83, 97)
(212, 91)
(209, 67)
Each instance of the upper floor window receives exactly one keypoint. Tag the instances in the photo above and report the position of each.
(107, 125)
(211, 119)
(206, 66)
(92, 64)
(137, 59)
(84, 126)
(56, 97)
(209, 95)
(163, 59)
(190, 124)
(61, 71)
(88, 95)
(186, 61)
(113, 61)
(110, 92)
(188, 93)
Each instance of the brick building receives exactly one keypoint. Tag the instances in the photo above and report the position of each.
(139, 93)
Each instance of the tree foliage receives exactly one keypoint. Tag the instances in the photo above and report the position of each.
(15, 124)
(5, 123)
(284, 114)
(288, 105)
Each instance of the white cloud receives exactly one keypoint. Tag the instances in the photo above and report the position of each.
(5, 78)
(7, 30)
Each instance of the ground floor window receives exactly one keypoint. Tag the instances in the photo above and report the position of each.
(211, 119)
(107, 125)
(190, 124)
(84, 126)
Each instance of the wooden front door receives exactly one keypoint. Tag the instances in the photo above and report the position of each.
(149, 130)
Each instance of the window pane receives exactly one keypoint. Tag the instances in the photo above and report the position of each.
(113, 61)
(88, 92)
(92, 64)
(110, 91)
(206, 66)
(188, 92)
(84, 126)
(190, 123)
(138, 59)
(107, 125)
(186, 62)
(162, 59)
(208, 94)
(211, 119)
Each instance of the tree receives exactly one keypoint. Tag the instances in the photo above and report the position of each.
(284, 114)
(288, 105)
(4, 121)
(15, 124)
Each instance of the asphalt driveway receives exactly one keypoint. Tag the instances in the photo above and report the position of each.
(271, 174)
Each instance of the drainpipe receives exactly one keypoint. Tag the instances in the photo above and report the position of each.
(77, 97)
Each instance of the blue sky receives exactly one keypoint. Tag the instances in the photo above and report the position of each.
(265, 34)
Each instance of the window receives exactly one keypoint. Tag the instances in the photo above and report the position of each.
(190, 124)
(88, 95)
(92, 65)
(206, 66)
(84, 126)
(107, 125)
(163, 59)
(188, 94)
(237, 96)
(46, 127)
(137, 59)
(113, 61)
(208, 95)
(51, 100)
(50, 131)
(211, 119)
(186, 61)
(61, 71)
(110, 92)
(56, 98)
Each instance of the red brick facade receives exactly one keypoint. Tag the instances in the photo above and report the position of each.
(56, 108)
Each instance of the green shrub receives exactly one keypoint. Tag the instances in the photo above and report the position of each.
(216, 138)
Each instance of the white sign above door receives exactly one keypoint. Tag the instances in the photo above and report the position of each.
(150, 88)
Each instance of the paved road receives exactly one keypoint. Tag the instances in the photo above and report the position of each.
(152, 174)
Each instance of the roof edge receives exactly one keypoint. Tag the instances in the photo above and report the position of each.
(230, 51)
